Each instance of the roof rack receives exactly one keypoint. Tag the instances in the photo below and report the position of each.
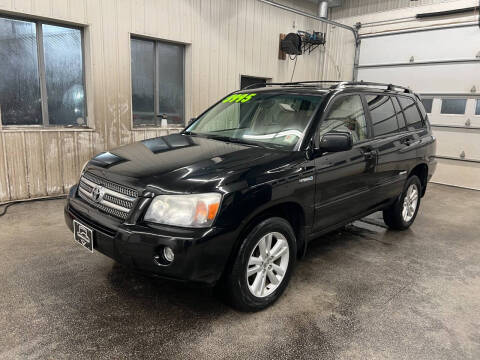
(337, 84)
(292, 84)
(389, 87)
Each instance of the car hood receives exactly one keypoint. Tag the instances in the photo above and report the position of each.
(184, 163)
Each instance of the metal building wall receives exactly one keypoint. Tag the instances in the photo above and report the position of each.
(223, 39)
(340, 45)
(351, 8)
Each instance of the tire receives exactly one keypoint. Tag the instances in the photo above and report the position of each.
(245, 293)
(403, 212)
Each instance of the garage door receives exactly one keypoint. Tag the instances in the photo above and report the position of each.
(443, 66)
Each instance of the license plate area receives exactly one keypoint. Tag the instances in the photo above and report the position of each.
(83, 235)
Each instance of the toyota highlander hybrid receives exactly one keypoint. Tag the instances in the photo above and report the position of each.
(235, 198)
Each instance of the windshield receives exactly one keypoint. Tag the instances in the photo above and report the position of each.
(262, 118)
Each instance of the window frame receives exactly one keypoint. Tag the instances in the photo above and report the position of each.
(327, 110)
(42, 76)
(156, 85)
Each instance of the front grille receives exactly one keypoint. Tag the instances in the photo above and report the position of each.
(111, 198)
(111, 185)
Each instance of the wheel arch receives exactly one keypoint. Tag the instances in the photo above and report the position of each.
(291, 211)
(421, 171)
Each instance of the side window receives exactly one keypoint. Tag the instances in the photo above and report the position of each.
(399, 112)
(346, 115)
(414, 119)
(383, 114)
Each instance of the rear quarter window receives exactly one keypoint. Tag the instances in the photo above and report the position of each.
(412, 114)
(383, 114)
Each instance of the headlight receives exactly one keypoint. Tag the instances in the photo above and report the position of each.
(193, 210)
(83, 168)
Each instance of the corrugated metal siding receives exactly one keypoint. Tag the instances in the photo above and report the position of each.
(351, 8)
(223, 40)
(340, 44)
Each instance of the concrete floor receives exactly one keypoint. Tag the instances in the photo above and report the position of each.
(363, 292)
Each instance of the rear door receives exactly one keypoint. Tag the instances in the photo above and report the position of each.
(392, 146)
(343, 178)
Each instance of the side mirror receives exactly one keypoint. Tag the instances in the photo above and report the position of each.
(191, 121)
(336, 142)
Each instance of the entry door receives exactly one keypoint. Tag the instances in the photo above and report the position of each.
(443, 66)
(343, 179)
(251, 80)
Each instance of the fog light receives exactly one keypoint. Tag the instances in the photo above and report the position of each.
(168, 254)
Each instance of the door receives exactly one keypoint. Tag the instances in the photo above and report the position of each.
(251, 80)
(393, 144)
(442, 65)
(343, 179)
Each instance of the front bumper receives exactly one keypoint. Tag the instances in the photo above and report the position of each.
(200, 254)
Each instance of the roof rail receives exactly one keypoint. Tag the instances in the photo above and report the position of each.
(390, 87)
(293, 84)
(337, 84)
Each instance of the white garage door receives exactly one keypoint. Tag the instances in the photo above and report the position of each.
(443, 66)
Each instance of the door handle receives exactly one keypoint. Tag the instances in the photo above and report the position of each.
(407, 141)
(371, 159)
(370, 154)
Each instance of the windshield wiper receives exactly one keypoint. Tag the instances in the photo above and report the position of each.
(235, 140)
(232, 140)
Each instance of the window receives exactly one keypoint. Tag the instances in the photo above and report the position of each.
(454, 106)
(383, 114)
(414, 119)
(346, 115)
(427, 104)
(157, 83)
(477, 109)
(265, 119)
(41, 74)
(399, 112)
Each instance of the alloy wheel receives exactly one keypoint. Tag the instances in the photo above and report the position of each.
(410, 203)
(267, 264)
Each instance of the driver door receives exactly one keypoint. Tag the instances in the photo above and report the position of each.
(342, 180)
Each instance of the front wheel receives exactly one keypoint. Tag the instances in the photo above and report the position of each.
(403, 212)
(263, 266)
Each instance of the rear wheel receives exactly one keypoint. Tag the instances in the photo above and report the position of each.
(263, 266)
(403, 212)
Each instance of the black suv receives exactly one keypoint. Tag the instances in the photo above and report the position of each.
(235, 198)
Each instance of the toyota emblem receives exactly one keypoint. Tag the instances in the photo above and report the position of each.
(97, 194)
